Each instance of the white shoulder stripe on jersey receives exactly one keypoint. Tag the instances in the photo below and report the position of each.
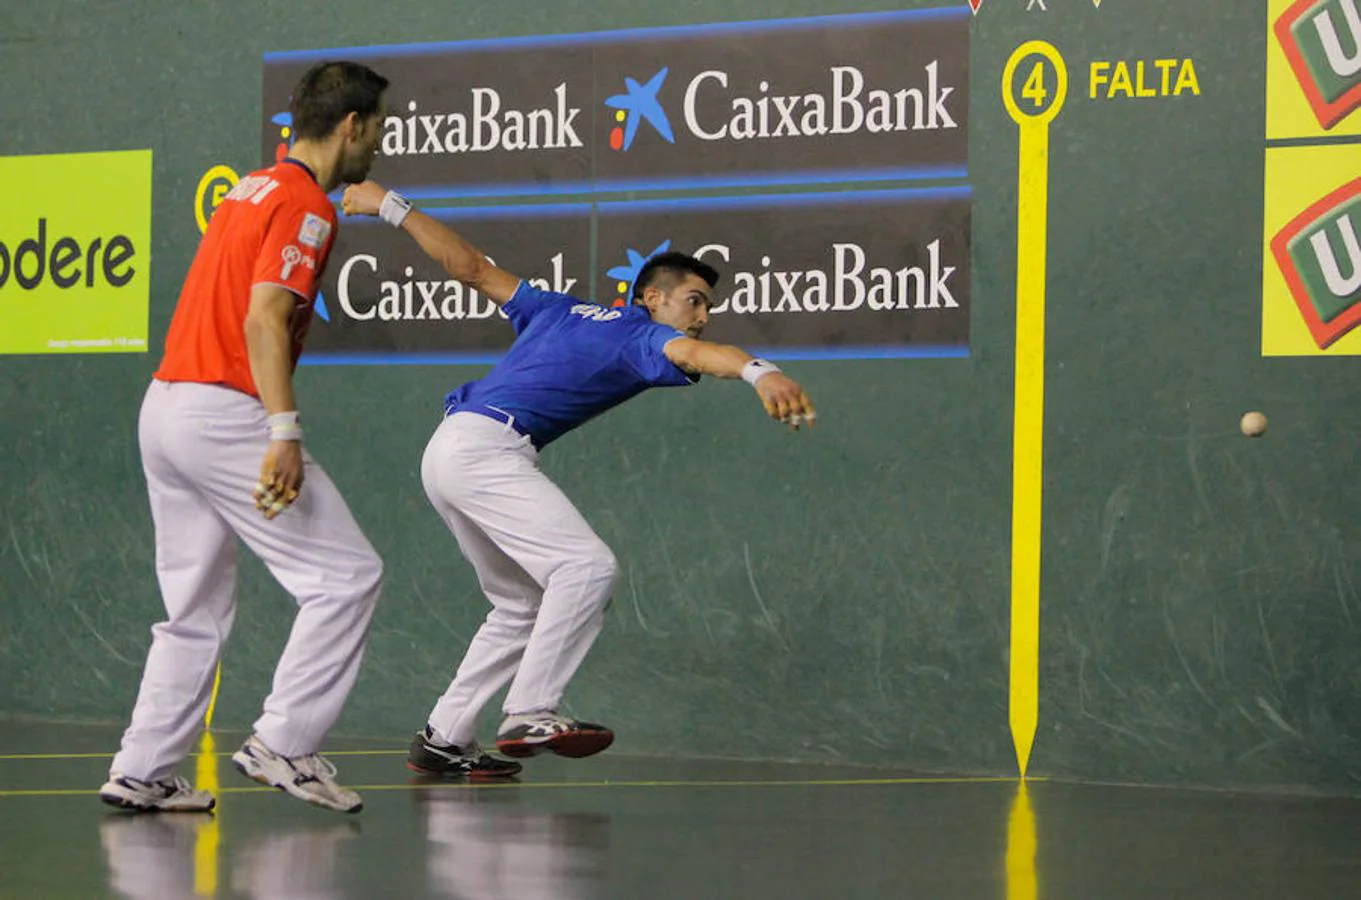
(292, 290)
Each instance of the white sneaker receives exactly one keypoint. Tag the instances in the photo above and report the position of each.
(169, 795)
(310, 778)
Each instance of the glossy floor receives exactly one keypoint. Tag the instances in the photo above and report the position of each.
(618, 827)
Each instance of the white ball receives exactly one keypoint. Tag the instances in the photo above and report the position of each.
(1253, 424)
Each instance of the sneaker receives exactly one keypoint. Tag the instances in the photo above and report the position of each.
(534, 733)
(310, 778)
(169, 795)
(429, 756)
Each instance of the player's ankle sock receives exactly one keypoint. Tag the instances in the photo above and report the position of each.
(510, 720)
(435, 737)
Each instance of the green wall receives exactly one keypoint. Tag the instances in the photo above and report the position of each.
(841, 595)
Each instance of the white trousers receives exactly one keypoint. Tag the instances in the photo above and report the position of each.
(202, 446)
(547, 575)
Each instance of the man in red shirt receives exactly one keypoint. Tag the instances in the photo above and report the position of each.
(220, 403)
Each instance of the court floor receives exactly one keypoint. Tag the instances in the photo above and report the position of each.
(620, 827)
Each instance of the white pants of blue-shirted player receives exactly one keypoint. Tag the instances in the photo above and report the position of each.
(546, 572)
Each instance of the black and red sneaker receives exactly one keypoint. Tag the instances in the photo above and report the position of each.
(430, 757)
(548, 732)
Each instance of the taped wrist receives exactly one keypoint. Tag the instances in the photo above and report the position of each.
(753, 370)
(284, 427)
(394, 208)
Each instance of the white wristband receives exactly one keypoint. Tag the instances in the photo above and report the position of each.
(394, 208)
(755, 369)
(284, 427)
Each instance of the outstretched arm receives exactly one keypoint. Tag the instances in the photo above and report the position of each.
(460, 259)
(781, 395)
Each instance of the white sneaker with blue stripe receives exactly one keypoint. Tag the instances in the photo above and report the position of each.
(167, 795)
(311, 778)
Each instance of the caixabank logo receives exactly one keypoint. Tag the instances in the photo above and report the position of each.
(476, 118)
(1321, 39)
(623, 277)
(866, 96)
(1319, 256)
(796, 101)
(639, 104)
(389, 303)
(850, 274)
(284, 121)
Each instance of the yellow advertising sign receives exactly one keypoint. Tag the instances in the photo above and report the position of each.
(1311, 265)
(1313, 68)
(75, 253)
(1311, 262)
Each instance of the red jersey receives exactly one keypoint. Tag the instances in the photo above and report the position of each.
(276, 226)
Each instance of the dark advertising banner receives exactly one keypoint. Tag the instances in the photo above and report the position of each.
(383, 300)
(850, 274)
(481, 120)
(829, 99)
(868, 96)
(811, 100)
(834, 275)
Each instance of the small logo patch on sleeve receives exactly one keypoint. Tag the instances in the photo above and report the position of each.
(293, 257)
(314, 231)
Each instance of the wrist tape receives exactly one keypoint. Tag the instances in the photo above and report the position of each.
(394, 208)
(284, 427)
(753, 370)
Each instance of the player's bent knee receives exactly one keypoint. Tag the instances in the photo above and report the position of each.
(594, 571)
(368, 579)
(604, 566)
(199, 631)
(376, 573)
(507, 623)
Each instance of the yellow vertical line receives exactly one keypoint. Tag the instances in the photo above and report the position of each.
(212, 701)
(1033, 107)
(1022, 882)
(1028, 440)
(208, 836)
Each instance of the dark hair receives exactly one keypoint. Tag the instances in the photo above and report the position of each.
(671, 267)
(330, 91)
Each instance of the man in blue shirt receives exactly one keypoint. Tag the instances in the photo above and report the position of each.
(547, 574)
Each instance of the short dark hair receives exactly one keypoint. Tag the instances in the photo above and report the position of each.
(671, 267)
(330, 91)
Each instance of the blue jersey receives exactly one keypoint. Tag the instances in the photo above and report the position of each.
(571, 361)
